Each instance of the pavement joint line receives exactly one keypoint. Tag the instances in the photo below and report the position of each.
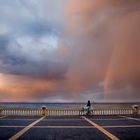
(122, 126)
(109, 119)
(130, 118)
(20, 133)
(63, 120)
(18, 119)
(63, 127)
(48, 126)
(107, 126)
(11, 126)
(60, 119)
(107, 133)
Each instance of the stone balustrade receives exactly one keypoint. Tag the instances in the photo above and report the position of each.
(12, 111)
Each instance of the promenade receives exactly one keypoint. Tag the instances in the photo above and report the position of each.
(97, 127)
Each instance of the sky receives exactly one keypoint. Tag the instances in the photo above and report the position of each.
(69, 50)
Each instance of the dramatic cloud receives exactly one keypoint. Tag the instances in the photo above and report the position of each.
(70, 51)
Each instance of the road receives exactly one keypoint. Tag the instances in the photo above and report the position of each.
(70, 128)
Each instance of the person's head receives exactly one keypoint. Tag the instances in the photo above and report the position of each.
(88, 101)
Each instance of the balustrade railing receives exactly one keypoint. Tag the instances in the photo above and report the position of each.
(62, 112)
(20, 112)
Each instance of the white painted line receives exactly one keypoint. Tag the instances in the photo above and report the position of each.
(60, 119)
(111, 136)
(110, 119)
(11, 126)
(122, 126)
(43, 120)
(63, 119)
(108, 126)
(7, 126)
(130, 118)
(20, 133)
(48, 126)
(18, 119)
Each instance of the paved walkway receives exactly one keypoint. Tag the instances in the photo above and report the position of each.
(70, 128)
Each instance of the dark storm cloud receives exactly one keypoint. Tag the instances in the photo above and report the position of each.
(91, 49)
(19, 61)
(3, 42)
(20, 66)
(42, 28)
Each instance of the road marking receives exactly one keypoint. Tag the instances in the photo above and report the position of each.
(110, 119)
(11, 126)
(48, 126)
(111, 136)
(121, 126)
(20, 133)
(19, 119)
(63, 127)
(60, 119)
(44, 119)
(63, 119)
(130, 118)
(107, 126)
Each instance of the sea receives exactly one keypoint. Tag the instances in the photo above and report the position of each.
(68, 105)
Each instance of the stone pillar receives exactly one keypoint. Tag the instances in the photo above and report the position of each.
(135, 110)
(0, 111)
(44, 110)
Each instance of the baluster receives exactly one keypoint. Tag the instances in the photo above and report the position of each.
(29, 112)
(11, 111)
(98, 112)
(67, 112)
(95, 112)
(50, 112)
(56, 112)
(15, 112)
(108, 111)
(22, 112)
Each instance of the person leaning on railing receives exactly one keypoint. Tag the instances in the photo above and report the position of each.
(86, 109)
(89, 106)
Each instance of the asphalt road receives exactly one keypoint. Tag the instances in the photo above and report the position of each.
(70, 128)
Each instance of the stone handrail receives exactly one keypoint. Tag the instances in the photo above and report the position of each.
(18, 111)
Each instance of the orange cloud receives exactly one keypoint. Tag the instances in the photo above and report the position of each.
(21, 87)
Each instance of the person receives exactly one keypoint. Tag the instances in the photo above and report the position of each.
(86, 108)
(88, 104)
